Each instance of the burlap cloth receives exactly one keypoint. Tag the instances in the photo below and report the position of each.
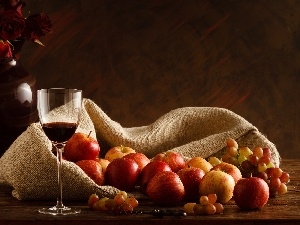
(30, 167)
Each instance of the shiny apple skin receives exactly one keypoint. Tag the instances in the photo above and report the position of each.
(166, 189)
(251, 193)
(122, 173)
(81, 147)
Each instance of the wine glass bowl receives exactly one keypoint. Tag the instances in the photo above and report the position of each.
(59, 111)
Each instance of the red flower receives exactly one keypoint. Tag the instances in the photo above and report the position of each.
(12, 25)
(12, 5)
(36, 25)
(5, 50)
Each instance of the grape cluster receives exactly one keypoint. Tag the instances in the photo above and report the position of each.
(257, 163)
(207, 205)
(120, 204)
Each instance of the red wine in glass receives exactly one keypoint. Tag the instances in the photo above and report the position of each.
(59, 110)
(59, 131)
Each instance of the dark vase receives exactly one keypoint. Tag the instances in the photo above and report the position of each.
(18, 104)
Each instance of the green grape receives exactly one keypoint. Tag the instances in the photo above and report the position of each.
(124, 193)
(100, 204)
(245, 151)
(120, 197)
(261, 167)
(282, 189)
(188, 207)
(233, 161)
(241, 158)
(214, 160)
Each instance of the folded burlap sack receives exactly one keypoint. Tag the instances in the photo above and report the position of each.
(30, 167)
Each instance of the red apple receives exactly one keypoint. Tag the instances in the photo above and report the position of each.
(81, 147)
(150, 170)
(93, 169)
(173, 159)
(165, 188)
(118, 152)
(122, 173)
(191, 178)
(251, 193)
(219, 183)
(141, 159)
(230, 169)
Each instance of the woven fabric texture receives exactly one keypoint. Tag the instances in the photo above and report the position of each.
(30, 167)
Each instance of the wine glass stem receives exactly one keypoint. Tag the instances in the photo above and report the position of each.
(59, 150)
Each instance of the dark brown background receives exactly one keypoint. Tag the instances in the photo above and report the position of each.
(140, 59)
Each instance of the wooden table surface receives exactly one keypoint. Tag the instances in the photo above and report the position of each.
(283, 209)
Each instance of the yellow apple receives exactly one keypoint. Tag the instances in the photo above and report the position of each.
(103, 162)
(118, 152)
(199, 162)
(230, 169)
(219, 183)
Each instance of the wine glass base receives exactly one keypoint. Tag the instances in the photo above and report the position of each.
(59, 211)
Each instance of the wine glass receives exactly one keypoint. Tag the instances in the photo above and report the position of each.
(59, 110)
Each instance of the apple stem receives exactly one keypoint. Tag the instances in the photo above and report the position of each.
(89, 134)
